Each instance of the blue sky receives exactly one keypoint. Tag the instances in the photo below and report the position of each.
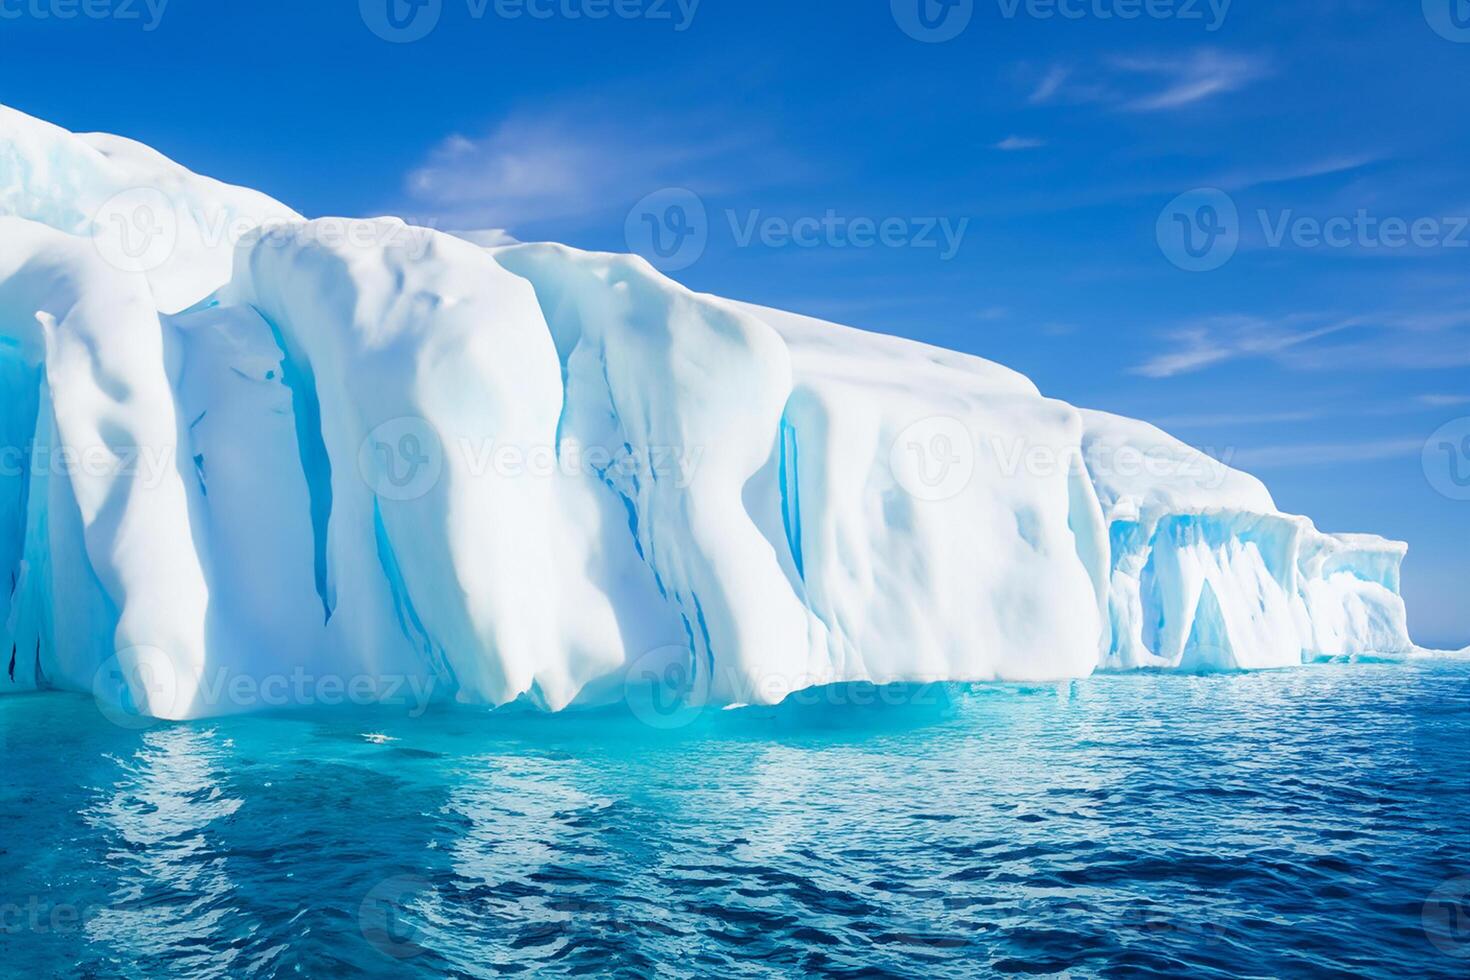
(1325, 342)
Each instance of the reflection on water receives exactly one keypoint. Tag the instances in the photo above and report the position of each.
(170, 890)
(1283, 823)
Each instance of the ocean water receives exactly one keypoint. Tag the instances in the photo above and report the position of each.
(1271, 824)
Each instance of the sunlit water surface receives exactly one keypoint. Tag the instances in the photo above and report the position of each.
(1266, 824)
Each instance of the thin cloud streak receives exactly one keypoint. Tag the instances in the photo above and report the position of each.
(574, 164)
(1049, 86)
(1407, 341)
(1326, 454)
(1193, 78)
(1219, 339)
(1225, 419)
(1151, 84)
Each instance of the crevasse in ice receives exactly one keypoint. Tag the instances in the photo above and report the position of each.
(239, 444)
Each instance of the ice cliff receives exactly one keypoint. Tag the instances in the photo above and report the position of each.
(240, 447)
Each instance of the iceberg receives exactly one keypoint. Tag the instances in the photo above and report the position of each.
(254, 460)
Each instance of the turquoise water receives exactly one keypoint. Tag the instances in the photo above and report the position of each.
(1267, 824)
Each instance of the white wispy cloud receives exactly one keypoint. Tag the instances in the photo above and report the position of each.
(1049, 86)
(1150, 84)
(1317, 342)
(1444, 401)
(1322, 454)
(1239, 180)
(1011, 143)
(1191, 78)
(1412, 341)
(1229, 419)
(1215, 340)
(565, 163)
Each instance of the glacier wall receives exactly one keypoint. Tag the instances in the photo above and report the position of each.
(281, 454)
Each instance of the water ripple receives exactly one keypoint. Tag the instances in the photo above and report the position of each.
(1276, 824)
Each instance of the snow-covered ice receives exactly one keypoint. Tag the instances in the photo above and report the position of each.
(248, 455)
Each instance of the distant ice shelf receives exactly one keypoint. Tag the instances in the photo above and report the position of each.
(245, 451)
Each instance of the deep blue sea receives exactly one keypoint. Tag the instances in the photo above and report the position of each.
(1287, 823)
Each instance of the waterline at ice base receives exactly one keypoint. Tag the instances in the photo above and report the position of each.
(250, 457)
